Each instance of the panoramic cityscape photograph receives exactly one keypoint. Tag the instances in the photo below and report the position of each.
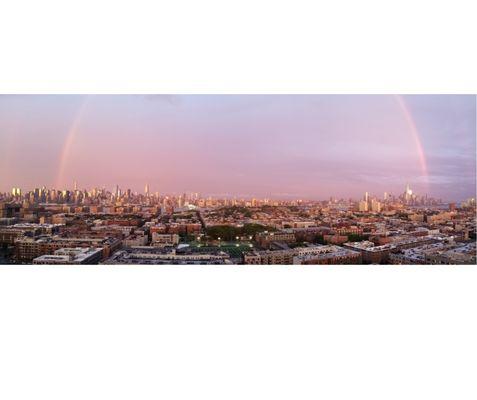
(253, 200)
(238, 179)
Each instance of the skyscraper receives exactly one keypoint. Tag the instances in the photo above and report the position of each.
(408, 193)
(363, 206)
(375, 206)
(146, 190)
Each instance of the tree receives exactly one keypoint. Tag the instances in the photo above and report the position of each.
(228, 232)
(352, 237)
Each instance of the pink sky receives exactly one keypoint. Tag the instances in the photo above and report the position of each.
(310, 146)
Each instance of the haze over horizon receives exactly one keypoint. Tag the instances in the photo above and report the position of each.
(277, 146)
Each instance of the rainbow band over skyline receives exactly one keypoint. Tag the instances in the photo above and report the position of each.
(415, 134)
(68, 143)
(76, 123)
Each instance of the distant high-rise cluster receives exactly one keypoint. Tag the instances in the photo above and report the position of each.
(408, 197)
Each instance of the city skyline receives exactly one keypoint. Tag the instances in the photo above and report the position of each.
(276, 146)
(119, 191)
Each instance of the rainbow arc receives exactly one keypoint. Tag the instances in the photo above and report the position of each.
(415, 134)
(68, 143)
